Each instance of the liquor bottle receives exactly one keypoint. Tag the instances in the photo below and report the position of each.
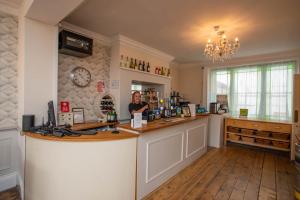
(140, 66)
(122, 61)
(135, 64)
(108, 117)
(131, 63)
(143, 65)
(169, 72)
(148, 67)
(127, 63)
(115, 116)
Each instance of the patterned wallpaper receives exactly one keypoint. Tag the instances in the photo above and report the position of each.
(8, 71)
(98, 65)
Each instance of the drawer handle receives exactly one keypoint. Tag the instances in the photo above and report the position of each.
(277, 127)
(255, 125)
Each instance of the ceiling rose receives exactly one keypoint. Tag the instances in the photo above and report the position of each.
(221, 48)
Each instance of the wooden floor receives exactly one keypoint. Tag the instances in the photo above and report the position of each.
(231, 173)
(11, 194)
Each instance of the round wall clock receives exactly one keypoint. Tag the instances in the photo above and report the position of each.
(81, 77)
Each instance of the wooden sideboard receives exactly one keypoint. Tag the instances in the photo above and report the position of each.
(259, 133)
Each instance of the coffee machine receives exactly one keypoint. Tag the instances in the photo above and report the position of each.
(214, 107)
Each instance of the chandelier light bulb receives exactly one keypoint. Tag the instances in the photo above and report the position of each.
(224, 36)
(236, 39)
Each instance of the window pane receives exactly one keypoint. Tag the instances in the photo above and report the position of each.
(266, 89)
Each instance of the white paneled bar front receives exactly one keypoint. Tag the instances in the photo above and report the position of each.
(162, 153)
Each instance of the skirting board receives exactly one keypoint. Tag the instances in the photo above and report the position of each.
(8, 181)
(20, 182)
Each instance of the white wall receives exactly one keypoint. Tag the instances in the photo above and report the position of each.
(190, 82)
(38, 70)
(37, 76)
(175, 76)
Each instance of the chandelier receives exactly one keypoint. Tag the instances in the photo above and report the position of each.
(221, 48)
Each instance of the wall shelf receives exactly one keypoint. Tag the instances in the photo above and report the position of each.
(149, 73)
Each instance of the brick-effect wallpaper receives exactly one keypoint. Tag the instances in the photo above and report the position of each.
(98, 65)
(8, 71)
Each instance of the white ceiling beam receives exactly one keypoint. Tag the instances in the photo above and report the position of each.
(51, 12)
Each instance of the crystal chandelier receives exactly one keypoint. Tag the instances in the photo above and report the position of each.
(222, 48)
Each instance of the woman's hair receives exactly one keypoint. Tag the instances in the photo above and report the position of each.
(132, 96)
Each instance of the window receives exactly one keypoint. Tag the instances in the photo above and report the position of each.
(136, 87)
(266, 90)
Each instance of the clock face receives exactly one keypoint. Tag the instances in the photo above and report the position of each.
(81, 76)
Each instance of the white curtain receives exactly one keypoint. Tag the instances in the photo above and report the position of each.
(266, 90)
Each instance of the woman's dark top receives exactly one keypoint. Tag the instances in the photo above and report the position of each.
(137, 106)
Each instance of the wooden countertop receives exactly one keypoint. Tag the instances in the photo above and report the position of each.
(259, 120)
(158, 124)
(100, 136)
(90, 125)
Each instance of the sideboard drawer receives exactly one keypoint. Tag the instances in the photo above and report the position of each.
(281, 128)
(262, 126)
(243, 124)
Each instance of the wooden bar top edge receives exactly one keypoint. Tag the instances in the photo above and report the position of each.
(91, 125)
(100, 136)
(158, 124)
(259, 120)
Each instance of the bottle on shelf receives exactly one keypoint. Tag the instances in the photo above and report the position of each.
(169, 72)
(135, 64)
(148, 67)
(122, 62)
(108, 117)
(131, 63)
(140, 66)
(115, 118)
(127, 63)
(144, 66)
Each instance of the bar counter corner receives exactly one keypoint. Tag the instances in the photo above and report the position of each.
(101, 166)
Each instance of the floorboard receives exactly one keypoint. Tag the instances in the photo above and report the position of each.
(10, 194)
(232, 173)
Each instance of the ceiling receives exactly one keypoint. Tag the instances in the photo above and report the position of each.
(181, 28)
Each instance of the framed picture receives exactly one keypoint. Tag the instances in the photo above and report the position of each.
(186, 111)
(78, 115)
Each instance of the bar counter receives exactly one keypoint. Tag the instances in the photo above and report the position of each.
(162, 123)
(89, 167)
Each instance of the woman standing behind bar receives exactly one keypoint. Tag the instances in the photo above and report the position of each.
(137, 106)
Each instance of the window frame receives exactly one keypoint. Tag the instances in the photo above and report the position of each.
(229, 67)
